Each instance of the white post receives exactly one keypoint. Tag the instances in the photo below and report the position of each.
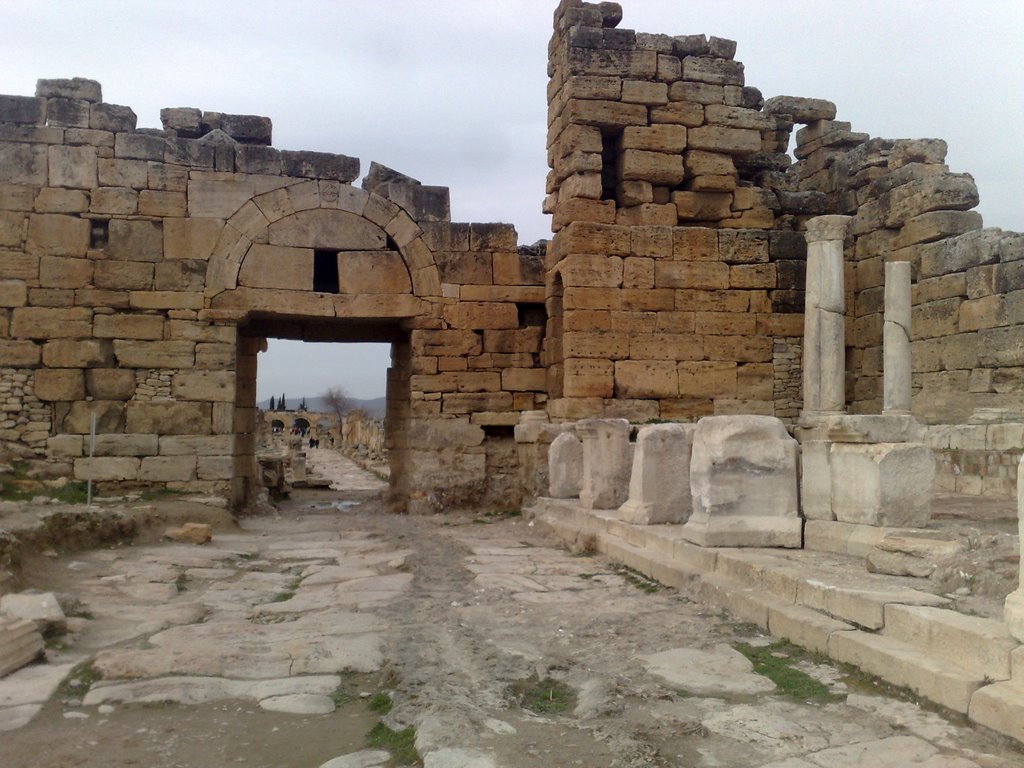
(898, 368)
(1013, 610)
(92, 452)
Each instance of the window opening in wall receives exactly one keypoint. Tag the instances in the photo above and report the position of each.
(99, 234)
(531, 315)
(325, 271)
(610, 157)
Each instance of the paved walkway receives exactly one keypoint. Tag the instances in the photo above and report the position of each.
(498, 647)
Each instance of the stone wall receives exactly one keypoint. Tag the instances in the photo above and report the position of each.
(141, 271)
(677, 259)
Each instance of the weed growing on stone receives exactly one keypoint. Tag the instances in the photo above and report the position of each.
(638, 580)
(181, 582)
(543, 696)
(775, 662)
(380, 703)
(80, 680)
(585, 546)
(20, 487)
(401, 744)
(288, 593)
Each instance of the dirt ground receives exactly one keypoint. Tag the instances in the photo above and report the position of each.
(494, 645)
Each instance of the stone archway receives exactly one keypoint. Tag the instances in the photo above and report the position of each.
(322, 261)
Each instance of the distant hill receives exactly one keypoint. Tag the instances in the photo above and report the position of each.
(375, 407)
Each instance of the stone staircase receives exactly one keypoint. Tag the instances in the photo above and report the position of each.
(827, 603)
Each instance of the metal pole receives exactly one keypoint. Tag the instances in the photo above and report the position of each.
(92, 451)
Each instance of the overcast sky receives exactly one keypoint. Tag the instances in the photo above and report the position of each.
(452, 92)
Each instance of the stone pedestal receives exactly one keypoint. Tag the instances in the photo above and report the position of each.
(565, 467)
(607, 461)
(20, 643)
(743, 482)
(887, 484)
(824, 352)
(1013, 611)
(659, 486)
(897, 366)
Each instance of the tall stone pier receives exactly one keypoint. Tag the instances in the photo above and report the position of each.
(824, 363)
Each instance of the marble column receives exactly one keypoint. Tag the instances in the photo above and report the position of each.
(824, 355)
(898, 368)
(1013, 610)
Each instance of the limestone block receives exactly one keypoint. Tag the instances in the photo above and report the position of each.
(743, 480)
(887, 484)
(716, 71)
(933, 193)
(736, 141)
(816, 480)
(327, 228)
(646, 378)
(129, 326)
(59, 384)
(13, 293)
(51, 323)
(588, 378)
(607, 462)
(155, 354)
(659, 485)
(53, 234)
(702, 206)
(126, 445)
(112, 468)
(112, 117)
(109, 383)
(168, 469)
(655, 138)
(565, 466)
(190, 238)
(659, 168)
(168, 418)
(802, 110)
(212, 386)
(20, 643)
(1013, 611)
(215, 467)
(76, 353)
(373, 272)
(41, 608)
(135, 240)
(24, 163)
(686, 113)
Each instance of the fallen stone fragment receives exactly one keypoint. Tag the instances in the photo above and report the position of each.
(299, 704)
(190, 533)
(458, 758)
(20, 643)
(39, 607)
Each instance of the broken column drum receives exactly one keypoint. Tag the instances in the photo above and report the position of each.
(824, 351)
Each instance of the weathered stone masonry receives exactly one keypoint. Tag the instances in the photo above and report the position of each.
(142, 270)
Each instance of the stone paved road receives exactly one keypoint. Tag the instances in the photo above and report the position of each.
(263, 647)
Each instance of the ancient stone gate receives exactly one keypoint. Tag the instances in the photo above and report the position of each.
(141, 271)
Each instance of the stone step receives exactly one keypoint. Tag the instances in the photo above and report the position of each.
(981, 646)
(20, 643)
(1000, 706)
(938, 680)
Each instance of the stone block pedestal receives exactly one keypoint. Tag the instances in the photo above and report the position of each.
(743, 481)
(659, 487)
(887, 484)
(1013, 611)
(607, 462)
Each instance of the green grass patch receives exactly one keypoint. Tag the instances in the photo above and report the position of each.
(380, 703)
(638, 580)
(80, 680)
(288, 592)
(181, 582)
(155, 494)
(543, 696)
(776, 661)
(401, 744)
